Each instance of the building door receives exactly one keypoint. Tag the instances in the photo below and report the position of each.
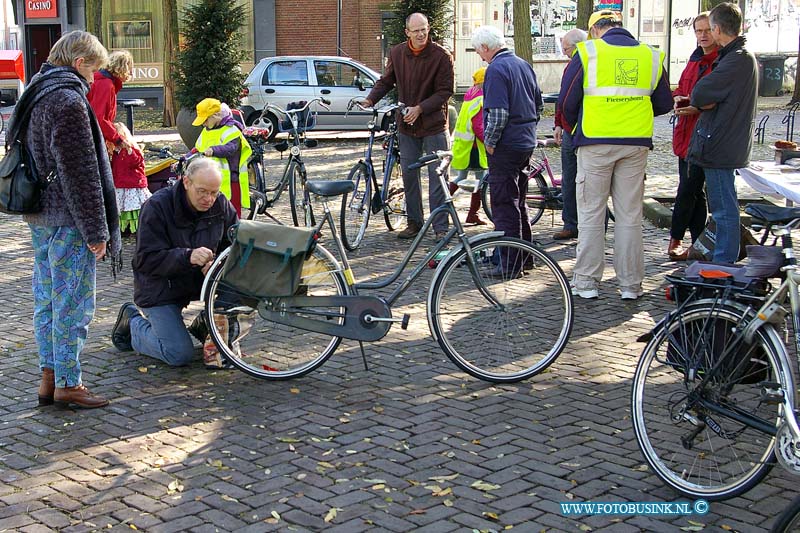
(471, 14)
(40, 39)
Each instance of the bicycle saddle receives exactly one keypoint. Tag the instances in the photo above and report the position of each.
(330, 188)
(773, 214)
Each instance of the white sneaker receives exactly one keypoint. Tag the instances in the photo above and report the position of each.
(631, 295)
(588, 294)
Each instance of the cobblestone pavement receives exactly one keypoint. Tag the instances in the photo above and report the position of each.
(410, 444)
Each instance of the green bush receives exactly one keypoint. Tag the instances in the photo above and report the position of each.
(439, 13)
(208, 63)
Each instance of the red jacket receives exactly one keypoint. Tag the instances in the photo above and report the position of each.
(103, 99)
(128, 170)
(698, 66)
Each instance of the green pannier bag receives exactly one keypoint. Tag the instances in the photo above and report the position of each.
(266, 260)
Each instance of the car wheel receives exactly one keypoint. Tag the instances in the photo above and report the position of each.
(267, 121)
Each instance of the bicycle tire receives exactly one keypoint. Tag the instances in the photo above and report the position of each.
(789, 519)
(711, 465)
(356, 207)
(486, 199)
(265, 349)
(394, 195)
(508, 344)
(255, 182)
(296, 191)
(536, 197)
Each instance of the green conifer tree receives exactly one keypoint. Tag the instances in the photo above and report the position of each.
(439, 13)
(208, 63)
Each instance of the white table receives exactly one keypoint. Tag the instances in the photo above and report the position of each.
(767, 177)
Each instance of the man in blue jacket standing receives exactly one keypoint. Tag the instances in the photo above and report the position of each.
(512, 104)
(723, 136)
(616, 86)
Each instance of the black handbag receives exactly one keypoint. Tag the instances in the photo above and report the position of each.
(21, 189)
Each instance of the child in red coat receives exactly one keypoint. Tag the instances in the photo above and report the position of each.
(130, 180)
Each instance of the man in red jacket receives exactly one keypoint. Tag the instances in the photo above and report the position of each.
(423, 73)
(689, 210)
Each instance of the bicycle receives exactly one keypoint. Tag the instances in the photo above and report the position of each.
(713, 396)
(497, 324)
(789, 519)
(543, 192)
(388, 197)
(297, 122)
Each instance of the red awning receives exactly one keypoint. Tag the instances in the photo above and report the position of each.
(12, 66)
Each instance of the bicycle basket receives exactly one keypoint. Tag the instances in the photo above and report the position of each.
(266, 260)
(306, 120)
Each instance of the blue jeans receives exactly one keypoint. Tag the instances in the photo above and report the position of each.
(161, 334)
(724, 206)
(64, 281)
(569, 169)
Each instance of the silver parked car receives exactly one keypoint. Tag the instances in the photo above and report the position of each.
(284, 79)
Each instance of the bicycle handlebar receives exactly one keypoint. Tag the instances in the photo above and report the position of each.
(324, 102)
(439, 155)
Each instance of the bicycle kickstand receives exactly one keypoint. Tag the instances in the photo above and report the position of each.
(363, 354)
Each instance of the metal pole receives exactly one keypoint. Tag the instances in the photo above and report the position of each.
(339, 27)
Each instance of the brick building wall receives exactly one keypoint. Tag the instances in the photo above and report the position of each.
(308, 27)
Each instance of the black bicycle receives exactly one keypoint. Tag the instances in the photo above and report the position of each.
(369, 196)
(298, 120)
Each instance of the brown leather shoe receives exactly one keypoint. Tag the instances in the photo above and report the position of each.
(565, 234)
(475, 219)
(410, 232)
(79, 397)
(47, 387)
(674, 247)
(681, 254)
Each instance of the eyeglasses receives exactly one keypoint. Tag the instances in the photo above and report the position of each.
(419, 31)
(203, 193)
(702, 31)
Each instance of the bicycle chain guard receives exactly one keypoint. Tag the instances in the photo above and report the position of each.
(787, 453)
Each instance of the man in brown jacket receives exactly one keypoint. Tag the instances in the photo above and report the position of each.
(423, 73)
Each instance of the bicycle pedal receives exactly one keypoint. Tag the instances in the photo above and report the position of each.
(406, 319)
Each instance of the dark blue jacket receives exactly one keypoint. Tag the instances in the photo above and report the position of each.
(570, 97)
(169, 229)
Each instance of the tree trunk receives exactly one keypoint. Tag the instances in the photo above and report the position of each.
(523, 46)
(171, 41)
(585, 8)
(94, 18)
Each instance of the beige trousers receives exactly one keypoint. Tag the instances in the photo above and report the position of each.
(618, 171)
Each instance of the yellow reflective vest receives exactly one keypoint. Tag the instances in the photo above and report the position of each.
(617, 84)
(220, 136)
(464, 137)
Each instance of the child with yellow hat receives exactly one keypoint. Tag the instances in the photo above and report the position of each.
(222, 140)
(469, 152)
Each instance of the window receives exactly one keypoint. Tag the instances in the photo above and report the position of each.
(333, 73)
(130, 34)
(471, 16)
(286, 73)
(653, 12)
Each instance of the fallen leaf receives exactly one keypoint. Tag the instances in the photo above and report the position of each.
(288, 439)
(228, 498)
(379, 486)
(175, 486)
(441, 479)
(482, 485)
(294, 390)
(331, 515)
(143, 369)
(491, 516)
(448, 503)
(696, 523)
(325, 464)
(275, 515)
(692, 528)
(584, 527)
(444, 492)
(418, 511)
(726, 527)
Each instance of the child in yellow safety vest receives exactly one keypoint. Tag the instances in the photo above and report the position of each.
(468, 150)
(222, 139)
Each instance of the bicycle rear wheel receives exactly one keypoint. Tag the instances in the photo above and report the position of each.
(789, 520)
(519, 334)
(296, 194)
(394, 197)
(255, 181)
(536, 197)
(265, 349)
(690, 444)
(486, 199)
(356, 207)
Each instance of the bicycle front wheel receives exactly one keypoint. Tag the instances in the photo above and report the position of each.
(257, 193)
(296, 194)
(394, 197)
(265, 349)
(693, 436)
(512, 321)
(356, 207)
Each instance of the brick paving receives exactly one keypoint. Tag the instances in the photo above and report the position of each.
(410, 444)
